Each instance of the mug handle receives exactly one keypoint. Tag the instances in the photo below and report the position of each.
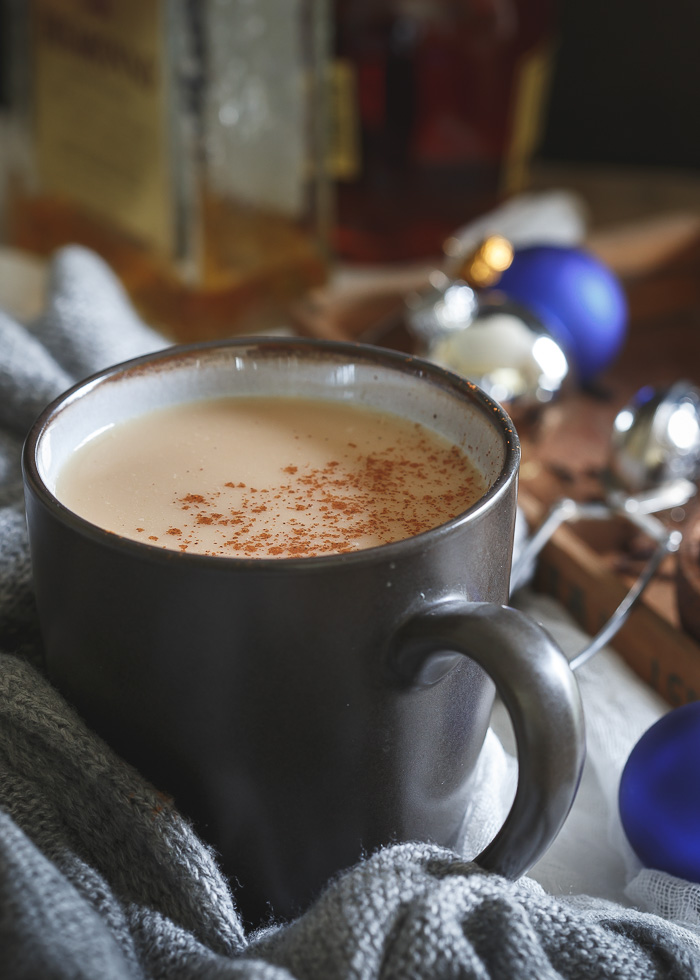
(536, 684)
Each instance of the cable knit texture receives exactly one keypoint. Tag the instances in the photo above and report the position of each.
(101, 879)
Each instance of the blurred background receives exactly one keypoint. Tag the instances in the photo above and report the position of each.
(227, 157)
(625, 91)
(626, 84)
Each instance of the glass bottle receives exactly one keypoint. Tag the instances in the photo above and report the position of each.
(437, 108)
(183, 140)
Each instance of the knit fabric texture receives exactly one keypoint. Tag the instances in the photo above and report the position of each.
(101, 878)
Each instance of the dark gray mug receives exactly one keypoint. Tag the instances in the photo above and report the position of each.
(304, 711)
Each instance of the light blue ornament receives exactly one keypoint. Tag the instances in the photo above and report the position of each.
(577, 298)
(659, 795)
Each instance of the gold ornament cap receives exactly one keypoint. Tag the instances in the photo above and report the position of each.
(483, 267)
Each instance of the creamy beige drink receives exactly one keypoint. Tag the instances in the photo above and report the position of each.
(268, 477)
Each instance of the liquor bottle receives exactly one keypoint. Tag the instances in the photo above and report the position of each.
(437, 111)
(183, 141)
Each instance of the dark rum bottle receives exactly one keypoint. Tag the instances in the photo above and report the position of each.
(437, 107)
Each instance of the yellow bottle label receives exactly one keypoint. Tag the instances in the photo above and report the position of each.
(531, 88)
(344, 162)
(100, 111)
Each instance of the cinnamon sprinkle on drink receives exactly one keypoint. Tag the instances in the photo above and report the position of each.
(269, 478)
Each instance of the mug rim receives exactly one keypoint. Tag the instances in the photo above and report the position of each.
(395, 360)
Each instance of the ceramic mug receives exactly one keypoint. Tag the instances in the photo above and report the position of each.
(305, 711)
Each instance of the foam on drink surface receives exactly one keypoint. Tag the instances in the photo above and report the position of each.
(268, 477)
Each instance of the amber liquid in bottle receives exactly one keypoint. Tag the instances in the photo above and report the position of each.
(236, 291)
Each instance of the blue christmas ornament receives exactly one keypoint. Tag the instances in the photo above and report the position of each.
(660, 794)
(576, 297)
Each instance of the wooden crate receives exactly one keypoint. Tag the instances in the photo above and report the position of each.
(571, 568)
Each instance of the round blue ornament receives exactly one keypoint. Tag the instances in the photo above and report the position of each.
(576, 297)
(659, 795)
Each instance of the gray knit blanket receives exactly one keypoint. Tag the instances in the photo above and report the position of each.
(100, 878)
